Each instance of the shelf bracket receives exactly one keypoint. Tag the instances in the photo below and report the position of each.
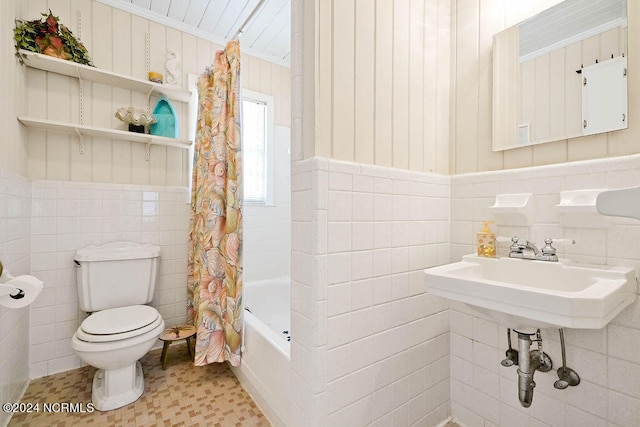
(147, 154)
(80, 95)
(149, 99)
(81, 141)
(146, 52)
(79, 18)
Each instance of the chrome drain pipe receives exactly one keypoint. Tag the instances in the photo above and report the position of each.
(530, 362)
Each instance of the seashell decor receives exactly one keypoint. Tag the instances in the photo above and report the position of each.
(135, 116)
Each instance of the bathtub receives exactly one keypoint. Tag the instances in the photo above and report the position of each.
(264, 368)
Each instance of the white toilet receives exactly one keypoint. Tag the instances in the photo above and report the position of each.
(114, 281)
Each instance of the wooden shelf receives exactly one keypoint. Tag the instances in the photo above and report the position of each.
(85, 72)
(84, 130)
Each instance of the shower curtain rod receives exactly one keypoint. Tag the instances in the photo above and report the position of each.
(246, 21)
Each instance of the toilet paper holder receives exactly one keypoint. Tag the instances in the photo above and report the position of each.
(12, 291)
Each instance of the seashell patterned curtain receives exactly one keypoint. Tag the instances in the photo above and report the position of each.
(214, 287)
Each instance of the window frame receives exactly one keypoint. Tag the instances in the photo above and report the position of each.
(268, 101)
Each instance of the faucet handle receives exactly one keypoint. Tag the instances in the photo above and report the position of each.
(548, 249)
(571, 241)
(515, 246)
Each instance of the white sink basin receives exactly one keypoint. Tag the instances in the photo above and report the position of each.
(536, 294)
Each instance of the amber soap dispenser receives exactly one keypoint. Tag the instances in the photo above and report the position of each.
(486, 241)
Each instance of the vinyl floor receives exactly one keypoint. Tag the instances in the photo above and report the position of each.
(181, 395)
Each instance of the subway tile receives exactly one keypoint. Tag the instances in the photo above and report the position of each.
(399, 233)
(339, 206)
(90, 208)
(382, 235)
(623, 410)
(339, 268)
(43, 207)
(382, 185)
(338, 330)
(363, 183)
(486, 332)
(339, 237)
(399, 286)
(399, 260)
(362, 209)
(550, 411)
(624, 377)
(578, 418)
(383, 209)
(488, 407)
(382, 262)
(622, 343)
(362, 235)
(339, 299)
(338, 362)
(361, 265)
(400, 208)
(340, 181)
(67, 207)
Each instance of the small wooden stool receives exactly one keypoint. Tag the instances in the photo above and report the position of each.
(180, 332)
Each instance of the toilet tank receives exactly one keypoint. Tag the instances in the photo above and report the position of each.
(116, 275)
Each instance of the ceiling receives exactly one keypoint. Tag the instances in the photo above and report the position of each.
(267, 23)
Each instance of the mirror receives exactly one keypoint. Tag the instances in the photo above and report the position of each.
(561, 74)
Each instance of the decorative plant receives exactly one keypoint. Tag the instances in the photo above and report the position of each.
(48, 36)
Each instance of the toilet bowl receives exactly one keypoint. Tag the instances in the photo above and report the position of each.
(113, 341)
(115, 281)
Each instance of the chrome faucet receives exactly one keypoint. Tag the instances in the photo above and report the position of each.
(524, 249)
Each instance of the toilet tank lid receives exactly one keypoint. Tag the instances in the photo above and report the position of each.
(117, 251)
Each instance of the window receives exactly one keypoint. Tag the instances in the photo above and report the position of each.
(257, 143)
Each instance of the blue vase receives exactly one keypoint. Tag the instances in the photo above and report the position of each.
(167, 119)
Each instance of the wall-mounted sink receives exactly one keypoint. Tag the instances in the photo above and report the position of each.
(536, 294)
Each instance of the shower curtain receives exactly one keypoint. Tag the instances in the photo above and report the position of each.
(214, 287)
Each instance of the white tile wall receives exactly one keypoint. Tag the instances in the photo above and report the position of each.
(15, 211)
(378, 344)
(267, 229)
(71, 215)
(607, 360)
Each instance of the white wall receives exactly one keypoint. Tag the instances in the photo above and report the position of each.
(607, 360)
(15, 209)
(13, 156)
(69, 211)
(267, 229)
(376, 81)
(369, 345)
(68, 216)
(116, 42)
(474, 24)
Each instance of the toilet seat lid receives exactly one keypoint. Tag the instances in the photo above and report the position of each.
(119, 320)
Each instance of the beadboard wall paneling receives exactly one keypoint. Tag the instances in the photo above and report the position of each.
(475, 22)
(116, 42)
(551, 88)
(382, 79)
(13, 156)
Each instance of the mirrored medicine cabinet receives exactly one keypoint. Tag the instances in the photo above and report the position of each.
(561, 74)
